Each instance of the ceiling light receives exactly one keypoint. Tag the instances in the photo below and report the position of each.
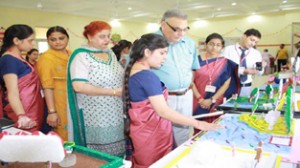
(129, 8)
(140, 14)
(219, 9)
(39, 5)
(284, 1)
(254, 18)
(115, 23)
(200, 23)
(233, 3)
(200, 6)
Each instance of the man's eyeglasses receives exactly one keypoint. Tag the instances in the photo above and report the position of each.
(176, 29)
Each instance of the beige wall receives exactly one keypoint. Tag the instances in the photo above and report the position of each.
(275, 28)
(74, 24)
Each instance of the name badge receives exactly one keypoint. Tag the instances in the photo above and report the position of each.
(242, 68)
(210, 88)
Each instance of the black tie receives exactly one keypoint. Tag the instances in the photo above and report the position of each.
(243, 64)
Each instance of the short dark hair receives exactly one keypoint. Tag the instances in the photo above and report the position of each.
(57, 29)
(117, 49)
(29, 52)
(215, 36)
(253, 32)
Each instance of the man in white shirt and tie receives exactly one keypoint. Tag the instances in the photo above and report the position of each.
(248, 58)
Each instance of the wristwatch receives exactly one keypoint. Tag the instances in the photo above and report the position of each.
(213, 100)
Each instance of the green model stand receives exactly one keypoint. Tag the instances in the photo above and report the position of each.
(269, 92)
(254, 93)
(288, 115)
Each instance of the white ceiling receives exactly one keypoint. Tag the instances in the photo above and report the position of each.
(152, 10)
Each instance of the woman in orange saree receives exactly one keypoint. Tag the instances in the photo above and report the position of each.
(52, 69)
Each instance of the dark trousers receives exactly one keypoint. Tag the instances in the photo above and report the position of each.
(281, 62)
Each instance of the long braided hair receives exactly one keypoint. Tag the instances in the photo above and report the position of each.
(148, 41)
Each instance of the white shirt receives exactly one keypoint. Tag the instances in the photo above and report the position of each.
(233, 52)
(266, 57)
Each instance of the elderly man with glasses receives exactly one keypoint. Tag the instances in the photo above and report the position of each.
(177, 71)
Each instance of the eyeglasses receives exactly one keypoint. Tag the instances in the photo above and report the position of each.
(215, 45)
(176, 29)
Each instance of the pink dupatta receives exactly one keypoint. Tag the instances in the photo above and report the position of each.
(151, 135)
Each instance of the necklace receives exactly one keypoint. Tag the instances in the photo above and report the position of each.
(210, 73)
(15, 53)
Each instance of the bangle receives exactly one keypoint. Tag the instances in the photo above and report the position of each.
(213, 100)
(51, 111)
(114, 92)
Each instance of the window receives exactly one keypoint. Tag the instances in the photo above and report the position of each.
(41, 39)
